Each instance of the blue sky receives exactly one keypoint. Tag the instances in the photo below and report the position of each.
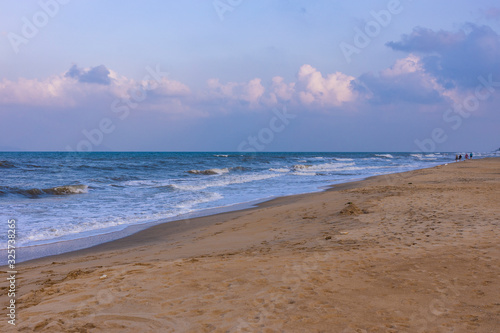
(211, 75)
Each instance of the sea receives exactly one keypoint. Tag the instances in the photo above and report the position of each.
(82, 199)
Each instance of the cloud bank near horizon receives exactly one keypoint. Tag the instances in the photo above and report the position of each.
(438, 69)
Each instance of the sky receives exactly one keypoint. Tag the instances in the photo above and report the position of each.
(249, 75)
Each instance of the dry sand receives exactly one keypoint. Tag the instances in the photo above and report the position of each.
(412, 252)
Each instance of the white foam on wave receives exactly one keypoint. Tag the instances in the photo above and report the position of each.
(221, 155)
(299, 173)
(324, 167)
(384, 155)
(187, 205)
(313, 172)
(279, 169)
(69, 189)
(229, 180)
(302, 166)
(58, 190)
(214, 171)
(50, 232)
(341, 159)
(140, 183)
(428, 157)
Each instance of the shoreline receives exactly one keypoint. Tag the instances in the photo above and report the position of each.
(38, 251)
(409, 251)
(59, 247)
(72, 242)
(48, 250)
(177, 225)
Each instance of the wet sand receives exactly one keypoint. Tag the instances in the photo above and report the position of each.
(410, 252)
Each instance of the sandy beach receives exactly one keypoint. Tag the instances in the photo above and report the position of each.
(410, 252)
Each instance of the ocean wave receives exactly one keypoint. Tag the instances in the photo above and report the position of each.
(324, 167)
(35, 192)
(221, 155)
(51, 232)
(213, 171)
(97, 167)
(187, 205)
(279, 169)
(384, 155)
(140, 183)
(239, 168)
(235, 179)
(67, 189)
(34, 166)
(341, 159)
(301, 166)
(298, 173)
(6, 164)
(122, 178)
(428, 157)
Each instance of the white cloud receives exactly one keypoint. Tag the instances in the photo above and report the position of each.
(332, 90)
(281, 91)
(311, 90)
(55, 91)
(410, 64)
(250, 92)
(63, 90)
(169, 88)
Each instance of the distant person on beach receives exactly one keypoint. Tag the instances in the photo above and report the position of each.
(460, 157)
(456, 157)
(466, 156)
(470, 156)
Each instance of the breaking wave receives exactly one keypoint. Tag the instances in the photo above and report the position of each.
(218, 171)
(299, 173)
(35, 192)
(428, 157)
(325, 167)
(214, 171)
(279, 169)
(67, 189)
(301, 166)
(384, 155)
(222, 182)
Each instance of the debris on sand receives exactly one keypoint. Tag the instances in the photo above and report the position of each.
(351, 209)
